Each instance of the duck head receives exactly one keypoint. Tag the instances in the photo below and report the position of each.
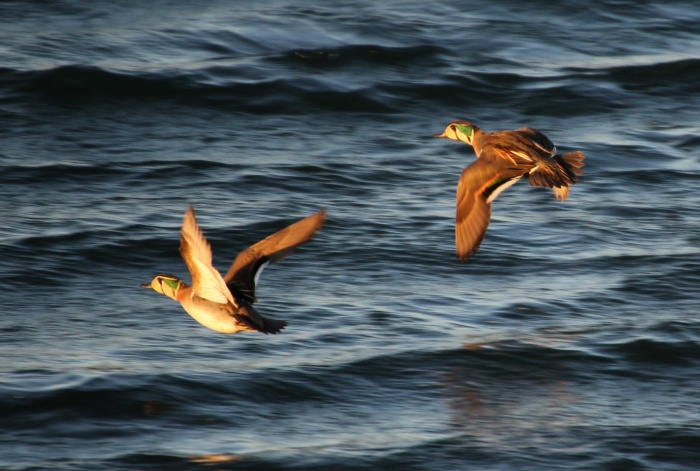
(168, 285)
(460, 131)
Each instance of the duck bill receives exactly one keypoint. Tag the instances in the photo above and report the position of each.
(146, 285)
(440, 134)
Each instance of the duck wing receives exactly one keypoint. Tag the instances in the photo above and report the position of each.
(480, 183)
(245, 270)
(196, 252)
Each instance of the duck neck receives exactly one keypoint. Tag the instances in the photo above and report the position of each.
(478, 141)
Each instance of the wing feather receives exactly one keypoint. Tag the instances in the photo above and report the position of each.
(196, 252)
(479, 184)
(245, 270)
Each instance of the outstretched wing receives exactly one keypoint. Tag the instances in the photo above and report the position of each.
(479, 184)
(196, 251)
(245, 270)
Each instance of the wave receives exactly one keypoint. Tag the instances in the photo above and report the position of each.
(335, 79)
(364, 55)
(503, 361)
(653, 352)
(479, 387)
(62, 173)
(653, 75)
(226, 83)
(75, 84)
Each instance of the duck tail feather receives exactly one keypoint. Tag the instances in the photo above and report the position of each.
(572, 163)
(264, 325)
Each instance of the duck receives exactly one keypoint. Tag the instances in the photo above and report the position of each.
(225, 304)
(503, 158)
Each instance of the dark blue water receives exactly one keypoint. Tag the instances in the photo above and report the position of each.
(571, 341)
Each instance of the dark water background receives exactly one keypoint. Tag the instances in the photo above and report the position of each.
(572, 340)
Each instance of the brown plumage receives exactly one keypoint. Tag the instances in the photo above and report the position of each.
(503, 157)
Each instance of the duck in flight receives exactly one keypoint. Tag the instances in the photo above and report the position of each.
(225, 304)
(503, 158)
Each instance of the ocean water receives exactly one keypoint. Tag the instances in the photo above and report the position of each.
(571, 341)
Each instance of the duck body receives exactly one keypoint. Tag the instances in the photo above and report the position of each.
(225, 304)
(227, 318)
(503, 158)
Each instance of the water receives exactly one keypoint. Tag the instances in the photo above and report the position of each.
(571, 341)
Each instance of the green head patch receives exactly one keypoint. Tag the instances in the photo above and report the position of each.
(172, 283)
(465, 129)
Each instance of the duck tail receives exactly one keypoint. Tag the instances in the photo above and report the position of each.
(561, 192)
(559, 174)
(571, 163)
(258, 323)
(272, 326)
